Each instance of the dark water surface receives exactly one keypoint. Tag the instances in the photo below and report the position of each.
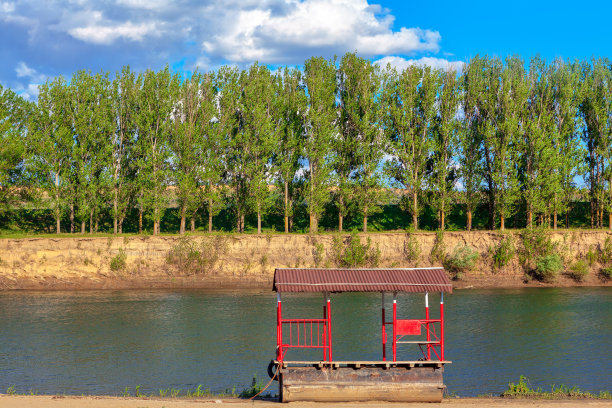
(99, 342)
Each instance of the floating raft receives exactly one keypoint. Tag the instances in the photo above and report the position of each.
(342, 381)
(390, 379)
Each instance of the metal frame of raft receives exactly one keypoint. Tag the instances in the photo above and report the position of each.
(384, 380)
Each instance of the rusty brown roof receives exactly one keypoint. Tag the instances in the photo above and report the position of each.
(432, 279)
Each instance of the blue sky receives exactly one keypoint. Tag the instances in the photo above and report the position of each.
(41, 39)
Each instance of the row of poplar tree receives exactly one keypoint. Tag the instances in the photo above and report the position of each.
(515, 135)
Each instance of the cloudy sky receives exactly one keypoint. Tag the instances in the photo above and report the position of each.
(41, 39)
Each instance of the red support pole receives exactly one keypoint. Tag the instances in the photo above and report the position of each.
(279, 329)
(329, 336)
(394, 326)
(325, 349)
(427, 325)
(384, 333)
(442, 326)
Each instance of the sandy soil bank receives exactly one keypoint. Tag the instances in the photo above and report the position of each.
(248, 261)
(115, 402)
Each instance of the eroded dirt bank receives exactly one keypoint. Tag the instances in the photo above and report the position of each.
(248, 261)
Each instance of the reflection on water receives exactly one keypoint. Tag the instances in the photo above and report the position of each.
(99, 342)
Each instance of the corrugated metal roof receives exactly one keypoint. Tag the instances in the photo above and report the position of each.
(361, 280)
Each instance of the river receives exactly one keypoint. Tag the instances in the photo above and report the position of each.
(99, 342)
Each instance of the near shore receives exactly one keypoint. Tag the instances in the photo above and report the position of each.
(114, 402)
(248, 261)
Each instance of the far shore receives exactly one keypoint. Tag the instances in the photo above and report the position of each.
(248, 261)
(49, 401)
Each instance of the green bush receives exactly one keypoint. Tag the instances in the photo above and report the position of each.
(438, 251)
(606, 273)
(118, 261)
(605, 254)
(412, 248)
(578, 270)
(351, 253)
(504, 252)
(548, 267)
(462, 260)
(536, 244)
(189, 257)
(591, 256)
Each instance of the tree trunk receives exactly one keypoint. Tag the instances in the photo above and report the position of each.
(115, 207)
(567, 218)
(365, 219)
(91, 221)
(140, 220)
(442, 222)
(610, 220)
(286, 207)
(96, 227)
(72, 218)
(183, 221)
(529, 219)
(192, 224)
(415, 215)
(341, 213)
(555, 219)
(155, 227)
(259, 218)
(57, 205)
(313, 224)
(502, 222)
(82, 227)
(121, 225)
(469, 220)
(210, 215)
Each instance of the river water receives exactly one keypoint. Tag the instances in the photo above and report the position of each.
(99, 342)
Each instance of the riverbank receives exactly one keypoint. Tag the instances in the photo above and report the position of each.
(113, 402)
(248, 261)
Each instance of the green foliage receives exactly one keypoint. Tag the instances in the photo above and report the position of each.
(547, 267)
(591, 255)
(523, 389)
(463, 259)
(318, 253)
(578, 270)
(412, 248)
(438, 251)
(606, 273)
(190, 257)
(349, 252)
(253, 390)
(605, 252)
(535, 244)
(118, 262)
(504, 252)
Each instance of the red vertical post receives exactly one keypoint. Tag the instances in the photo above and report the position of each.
(427, 325)
(325, 354)
(279, 328)
(394, 326)
(384, 333)
(442, 326)
(329, 336)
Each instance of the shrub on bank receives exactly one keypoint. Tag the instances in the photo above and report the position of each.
(578, 270)
(548, 267)
(462, 260)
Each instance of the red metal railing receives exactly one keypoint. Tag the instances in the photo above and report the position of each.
(433, 342)
(302, 333)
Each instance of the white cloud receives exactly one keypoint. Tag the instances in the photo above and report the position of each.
(401, 64)
(100, 34)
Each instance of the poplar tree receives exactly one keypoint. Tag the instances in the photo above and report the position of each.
(445, 128)
(288, 117)
(93, 127)
(154, 111)
(125, 94)
(569, 152)
(359, 94)
(14, 115)
(185, 142)
(411, 98)
(535, 144)
(321, 128)
(215, 119)
(470, 137)
(50, 144)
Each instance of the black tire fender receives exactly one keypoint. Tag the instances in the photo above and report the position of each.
(271, 371)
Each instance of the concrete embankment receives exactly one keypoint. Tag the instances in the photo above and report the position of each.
(249, 260)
